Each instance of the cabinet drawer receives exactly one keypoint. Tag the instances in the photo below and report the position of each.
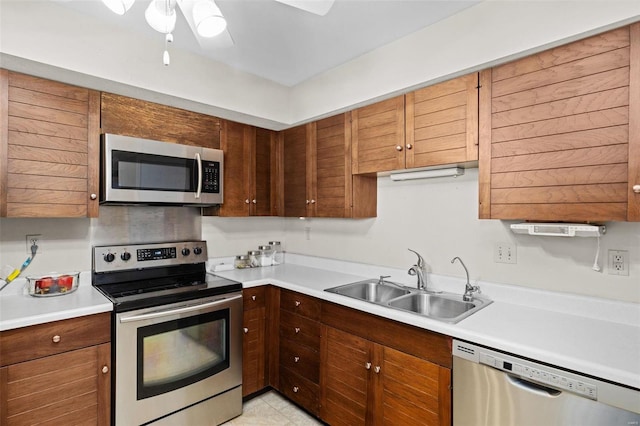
(253, 297)
(300, 304)
(41, 340)
(300, 390)
(300, 360)
(300, 329)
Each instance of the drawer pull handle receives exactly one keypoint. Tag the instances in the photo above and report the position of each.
(246, 330)
(298, 303)
(297, 330)
(56, 339)
(377, 369)
(105, 369)
(367, 366)
(296, 389)
(636, 189)
(296, 359)
(253, 297)
(93, 196)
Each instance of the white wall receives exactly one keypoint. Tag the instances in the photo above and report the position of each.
(438, 218)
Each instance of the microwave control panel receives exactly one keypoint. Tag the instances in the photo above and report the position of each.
(211, 177)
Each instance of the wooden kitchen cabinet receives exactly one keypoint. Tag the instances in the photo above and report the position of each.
(442, 123)
(249, 170)
(57, 373)
(560, 133)
(49, 148)
(317, 172)
(254, 342)
(134, 117)
(299, 349)
(376, 371)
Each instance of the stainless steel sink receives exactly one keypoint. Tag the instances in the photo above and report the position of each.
(447, 307)
(370, 290)
(443, 307)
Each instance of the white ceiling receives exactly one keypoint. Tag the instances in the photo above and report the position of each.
(288, 45)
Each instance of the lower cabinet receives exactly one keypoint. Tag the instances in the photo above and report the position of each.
(367, 383)
(253, 343)
(65, 381)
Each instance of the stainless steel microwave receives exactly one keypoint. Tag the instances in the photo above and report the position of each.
(142, 171)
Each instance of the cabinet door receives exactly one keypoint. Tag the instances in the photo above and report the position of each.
(69, 388)
(344, 380)
(296, 171)
(378, 137)
(264, 165)
(134, 117)
(49, 148)
(236, 143)
(559, 132)
(253, 351)
(442, 123)
(412, 391)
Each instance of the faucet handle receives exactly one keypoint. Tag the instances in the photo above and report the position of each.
(382, 277)
(421, 263)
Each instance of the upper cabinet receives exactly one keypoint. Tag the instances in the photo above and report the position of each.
(249, 175)
(317, 172)
(134, 117)
(49, 139)
(442, 123)
(560, 133)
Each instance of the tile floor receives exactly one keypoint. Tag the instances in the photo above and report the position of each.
(272, 409)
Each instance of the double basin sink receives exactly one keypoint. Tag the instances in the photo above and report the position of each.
(447, 307)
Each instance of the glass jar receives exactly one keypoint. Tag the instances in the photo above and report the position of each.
(278, 254)
(242, 261)
(253, 258)
(266, 255)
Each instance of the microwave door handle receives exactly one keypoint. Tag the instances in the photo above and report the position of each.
(199, 186)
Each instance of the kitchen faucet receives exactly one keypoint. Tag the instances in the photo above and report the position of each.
(468, 288)
(419, 270)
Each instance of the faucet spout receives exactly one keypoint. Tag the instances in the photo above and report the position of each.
(419, 270)
(468, 288)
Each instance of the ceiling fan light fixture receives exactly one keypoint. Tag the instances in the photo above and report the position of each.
(208, 19)
(118, 6)
(161, 15)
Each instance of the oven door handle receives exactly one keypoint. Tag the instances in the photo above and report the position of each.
(180, 310)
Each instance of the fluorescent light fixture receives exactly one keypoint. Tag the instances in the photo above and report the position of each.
(118, 6)
(559, 229)
(208, 18)
(427, 174)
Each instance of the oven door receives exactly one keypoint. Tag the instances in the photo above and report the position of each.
(170, 357)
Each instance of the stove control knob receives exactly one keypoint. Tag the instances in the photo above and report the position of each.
(197, 250)
(186, 251)
(109, 257)
(125, 256)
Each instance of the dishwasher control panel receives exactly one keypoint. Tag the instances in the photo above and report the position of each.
(545, 375)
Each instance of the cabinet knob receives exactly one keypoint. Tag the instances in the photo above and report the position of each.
(308, 201)
(105, 369)
(93, 196)
(246, 330)
(313, 201)
(253, 297)
(377, 369)
(367, 366)
(409, 146)
(56, 339)
(399, 148)
(296, 389)
(296, 359)
(253, 201)
(298, 303)
(246, 201)
(636, 189)
(297, 330)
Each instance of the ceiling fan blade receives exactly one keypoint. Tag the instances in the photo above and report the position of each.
(318, 7)
(221, 41)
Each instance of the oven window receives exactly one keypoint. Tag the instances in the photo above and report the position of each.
(131, 170)
(177, 353)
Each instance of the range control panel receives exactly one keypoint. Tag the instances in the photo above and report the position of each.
(136, 256)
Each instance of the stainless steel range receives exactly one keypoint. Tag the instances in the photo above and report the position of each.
(177, 333)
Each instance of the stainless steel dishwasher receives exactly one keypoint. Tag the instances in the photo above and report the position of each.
(497, 389)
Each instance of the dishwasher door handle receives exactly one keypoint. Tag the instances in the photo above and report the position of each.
(532, 387)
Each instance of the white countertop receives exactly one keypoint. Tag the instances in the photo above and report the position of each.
(582, 338)
(18, 309)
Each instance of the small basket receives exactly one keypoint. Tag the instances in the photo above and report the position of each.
(53, 285)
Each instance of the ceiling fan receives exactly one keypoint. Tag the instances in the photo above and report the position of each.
(203, 16)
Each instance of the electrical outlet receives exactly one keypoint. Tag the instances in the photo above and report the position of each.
(505, 253)
(30, 239)
(618, 262)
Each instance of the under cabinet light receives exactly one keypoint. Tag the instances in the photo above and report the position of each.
(427, 174)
